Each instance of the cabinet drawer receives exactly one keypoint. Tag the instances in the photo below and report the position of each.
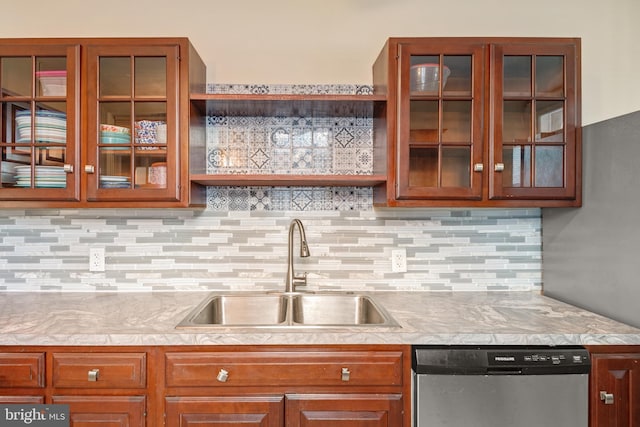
(99, 370)
(21, 370)
(363, 368)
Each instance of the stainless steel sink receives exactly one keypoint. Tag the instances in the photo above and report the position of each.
(337, 310)
(294, 310)
(239, 310)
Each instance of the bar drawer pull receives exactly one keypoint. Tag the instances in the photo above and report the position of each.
(93, 375)
(607, 398)
(223, 376)
(346, 374)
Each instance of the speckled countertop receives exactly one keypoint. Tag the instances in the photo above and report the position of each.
(422, 318)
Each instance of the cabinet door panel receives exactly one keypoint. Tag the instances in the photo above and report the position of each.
(535, 121)
(39, 122)
(618, 375)
(132, 123)
(234, 411)
(104, 411)
(344, 410)
(440, 138)
(21, 370)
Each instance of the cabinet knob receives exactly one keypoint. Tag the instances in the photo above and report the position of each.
(498, 167)
(478, 167)
(89, 169)
(68, 168)
(93, 375)
(223, 376)
(607, 398)
(346, 374)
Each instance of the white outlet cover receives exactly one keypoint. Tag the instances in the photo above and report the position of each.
(96, 259)
(399, 261)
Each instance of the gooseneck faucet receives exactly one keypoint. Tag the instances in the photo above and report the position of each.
(292, 278)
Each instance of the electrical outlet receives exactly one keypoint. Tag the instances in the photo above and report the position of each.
(399, 260)
(96, 259)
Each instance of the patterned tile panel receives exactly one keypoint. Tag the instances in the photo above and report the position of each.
(290, 145)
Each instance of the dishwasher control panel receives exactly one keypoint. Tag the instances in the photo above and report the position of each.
(500, 360)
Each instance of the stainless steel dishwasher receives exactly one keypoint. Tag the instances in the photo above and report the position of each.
(492, 386)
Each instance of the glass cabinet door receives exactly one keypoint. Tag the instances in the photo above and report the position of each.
(535, 122)
(440, 121)
(38, 125)
(132, 123)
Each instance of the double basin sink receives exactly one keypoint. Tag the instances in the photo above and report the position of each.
(287, 310)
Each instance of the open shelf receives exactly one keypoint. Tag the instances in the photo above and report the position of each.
(285, 104)
(285, 180)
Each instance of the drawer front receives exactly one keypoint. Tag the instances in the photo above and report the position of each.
(21, 370)
(99, 370)
(363, 368)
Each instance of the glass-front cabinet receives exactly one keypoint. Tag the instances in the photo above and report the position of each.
(98, 122)
(480, 121)
(39, 133)
(132, 119)
(534, 117)
(440, 125)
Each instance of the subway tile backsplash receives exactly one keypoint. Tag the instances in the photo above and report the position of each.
(240, 240)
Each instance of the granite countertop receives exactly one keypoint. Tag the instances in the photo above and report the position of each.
(422, 317)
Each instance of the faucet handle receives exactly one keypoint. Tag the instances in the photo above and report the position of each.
(300, 279)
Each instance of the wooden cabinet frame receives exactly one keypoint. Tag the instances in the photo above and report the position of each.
(392, 133)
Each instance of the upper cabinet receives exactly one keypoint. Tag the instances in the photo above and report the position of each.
(97, 122)
(39, 127)
(480, 122)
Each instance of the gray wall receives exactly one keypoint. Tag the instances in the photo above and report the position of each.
(591, 256)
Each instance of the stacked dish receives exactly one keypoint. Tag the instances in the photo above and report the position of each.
(8, 172)
(112, 134)
(115, 181)
(45, 176)
(147, 133)
(50, 126)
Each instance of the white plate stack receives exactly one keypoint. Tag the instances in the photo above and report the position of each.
(50, 126)
(45, 176)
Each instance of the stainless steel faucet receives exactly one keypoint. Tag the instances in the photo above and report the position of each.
(292, 278)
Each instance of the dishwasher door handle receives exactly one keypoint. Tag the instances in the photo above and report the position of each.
(504, 372)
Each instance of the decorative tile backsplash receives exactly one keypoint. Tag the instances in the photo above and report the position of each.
(240, 240)
(273, 144)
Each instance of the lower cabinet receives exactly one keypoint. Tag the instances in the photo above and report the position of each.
(339, 386)
(344, 410)
(22, 377)
(112, 411)
(615, 386)
(290, 410)
(246, 411)
(222, 386)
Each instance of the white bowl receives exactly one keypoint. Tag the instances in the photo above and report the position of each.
(426, 77)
